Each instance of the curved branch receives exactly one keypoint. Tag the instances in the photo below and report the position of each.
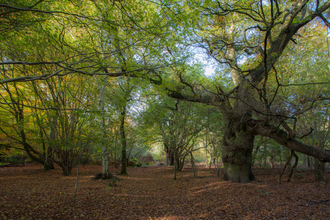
(285, 139)
(327, 23)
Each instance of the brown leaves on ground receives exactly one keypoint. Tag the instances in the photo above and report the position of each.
(151, 193)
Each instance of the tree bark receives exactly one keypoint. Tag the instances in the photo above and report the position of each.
(238, 147)
(104, 148)
(180, 162)
(286, 140)
(319, 170)
(169, 161)
(175, 163)
(193, 166)
(294, 166)
(105, 154)
(123, 141)
(49, 158)
(166, 160)
(286, 164)
(171, 158)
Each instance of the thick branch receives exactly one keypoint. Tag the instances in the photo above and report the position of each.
(189, 98)
(285, 139)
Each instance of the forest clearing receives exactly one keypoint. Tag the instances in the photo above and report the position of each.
(151, 193)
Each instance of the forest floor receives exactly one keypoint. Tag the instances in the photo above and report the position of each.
(151, 193)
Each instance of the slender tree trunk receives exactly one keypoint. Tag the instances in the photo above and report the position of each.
(319, 170)
(294, 166)
(272, 163)
(175, 163)
(45, 154)
(123, 141)
(265, 162)
(167, 159)
(49, 158)
(104, 148)
(192, 160)
(52, 139)
(48, 164)
(66, 168)
(305, 160)
(171, 159)
(254, 155)
(210, 162)
(180, 163)
(76, 188)
(105, 162)
(115, 159)
(75, 191)
(288, 162)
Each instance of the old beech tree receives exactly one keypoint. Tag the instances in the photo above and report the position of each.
(249, 109)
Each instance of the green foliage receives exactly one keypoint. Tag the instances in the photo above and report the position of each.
(134, 162)
(199, 158)
(158, 153)
(14, 160)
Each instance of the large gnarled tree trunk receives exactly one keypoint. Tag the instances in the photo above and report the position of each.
(237, 152)
(238, 141)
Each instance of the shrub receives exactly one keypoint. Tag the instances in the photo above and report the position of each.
(134, 163)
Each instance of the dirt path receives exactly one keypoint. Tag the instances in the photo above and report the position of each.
(151, 193)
